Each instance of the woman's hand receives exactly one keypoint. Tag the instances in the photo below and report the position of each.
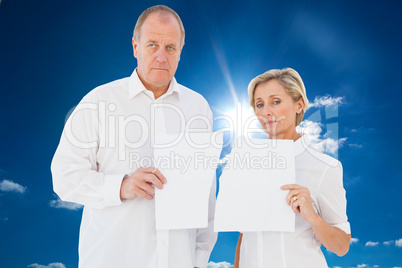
(300, 200)
(333, 238)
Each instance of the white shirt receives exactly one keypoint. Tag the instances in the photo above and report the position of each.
(110, 134)
(322, 175)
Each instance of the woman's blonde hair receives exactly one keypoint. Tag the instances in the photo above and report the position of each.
(289, 79)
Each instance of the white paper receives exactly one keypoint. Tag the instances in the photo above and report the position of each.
(250, 198)
(189, 165)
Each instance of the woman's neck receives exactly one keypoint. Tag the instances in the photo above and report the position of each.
(290, 136)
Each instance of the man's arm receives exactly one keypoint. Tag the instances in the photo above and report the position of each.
(75, 165)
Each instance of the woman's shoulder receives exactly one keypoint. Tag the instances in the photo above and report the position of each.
(322, 157)
(313, 159)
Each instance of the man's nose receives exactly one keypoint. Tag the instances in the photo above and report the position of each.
(161, 55)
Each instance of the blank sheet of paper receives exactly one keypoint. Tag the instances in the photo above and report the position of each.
(189, 166)
(250, 198)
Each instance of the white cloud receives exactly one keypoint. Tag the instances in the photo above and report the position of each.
(387, 243)
(58, 203)
(325, 101)
(9, 186)
(355, 145)
(371, 244)
(322, 144)
(219, 265)
(51, 265)
(398, 242)
(363, 265)
(354, 240)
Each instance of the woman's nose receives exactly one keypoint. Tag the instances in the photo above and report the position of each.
(267, 110)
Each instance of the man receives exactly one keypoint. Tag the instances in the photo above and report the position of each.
(99, 161)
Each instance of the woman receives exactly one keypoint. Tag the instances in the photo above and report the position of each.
(318, 199)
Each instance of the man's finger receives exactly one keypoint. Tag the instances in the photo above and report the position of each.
(141, 193)
(151, 178)
(147, 187)
(157, 173)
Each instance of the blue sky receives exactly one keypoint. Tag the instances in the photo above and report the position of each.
(347, 52)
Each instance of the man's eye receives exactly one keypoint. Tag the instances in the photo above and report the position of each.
(170, 47)
(151, 45)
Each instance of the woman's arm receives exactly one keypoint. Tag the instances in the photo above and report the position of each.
(237, 254)
(333, 238)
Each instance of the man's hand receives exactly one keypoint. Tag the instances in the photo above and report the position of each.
(141, 183)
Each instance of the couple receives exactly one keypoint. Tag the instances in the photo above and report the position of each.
(90, 167)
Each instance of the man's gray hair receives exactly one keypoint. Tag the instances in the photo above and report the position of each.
(164, 10)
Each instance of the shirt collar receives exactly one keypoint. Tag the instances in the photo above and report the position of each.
(136, 86)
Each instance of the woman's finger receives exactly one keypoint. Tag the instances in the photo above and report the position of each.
(290, 186)
(293, 194)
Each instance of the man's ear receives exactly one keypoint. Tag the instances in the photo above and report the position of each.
(135, 47)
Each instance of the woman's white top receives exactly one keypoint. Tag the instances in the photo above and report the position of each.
(322, 175)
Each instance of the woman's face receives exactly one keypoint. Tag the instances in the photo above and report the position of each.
(276, 110)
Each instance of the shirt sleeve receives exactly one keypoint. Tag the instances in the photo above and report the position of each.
(74, 166)
(332, 198)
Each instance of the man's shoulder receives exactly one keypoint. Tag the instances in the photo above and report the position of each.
(191, 94)
(108, 89)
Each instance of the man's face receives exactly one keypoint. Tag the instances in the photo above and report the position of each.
(158, 50)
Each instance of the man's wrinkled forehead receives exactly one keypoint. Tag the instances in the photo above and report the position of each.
(162, 17)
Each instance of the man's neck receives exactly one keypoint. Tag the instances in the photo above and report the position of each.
(158, 91)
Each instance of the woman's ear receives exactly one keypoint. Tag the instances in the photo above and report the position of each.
(300, 106)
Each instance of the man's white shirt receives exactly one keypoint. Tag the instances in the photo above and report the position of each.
(110, 134)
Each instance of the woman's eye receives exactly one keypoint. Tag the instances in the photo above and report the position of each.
(259, 105)
(277, 102)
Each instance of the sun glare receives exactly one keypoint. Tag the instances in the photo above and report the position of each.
(238, 118)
